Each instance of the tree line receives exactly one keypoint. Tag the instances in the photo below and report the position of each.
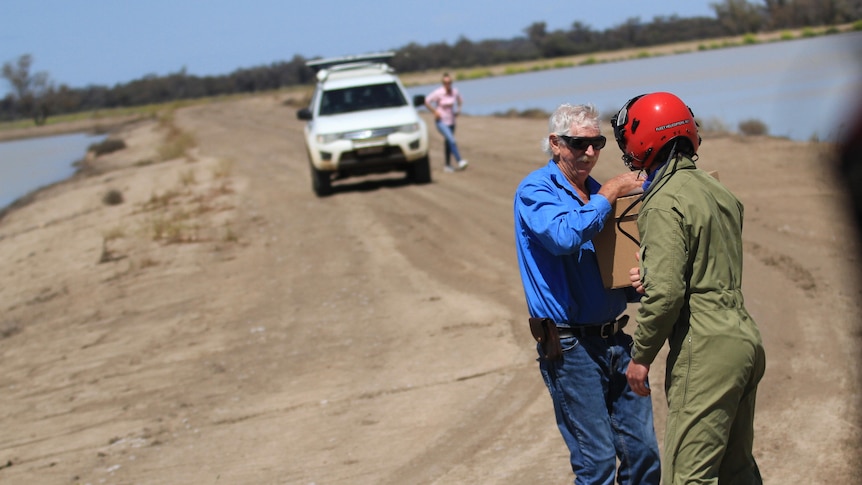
(34, 95)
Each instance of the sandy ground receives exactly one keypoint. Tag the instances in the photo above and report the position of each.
(224, 325)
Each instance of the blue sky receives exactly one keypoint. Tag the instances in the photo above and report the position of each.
(101, 42)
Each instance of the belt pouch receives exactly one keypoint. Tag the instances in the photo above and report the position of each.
(544, 330)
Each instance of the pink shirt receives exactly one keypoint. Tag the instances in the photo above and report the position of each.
(445, 103)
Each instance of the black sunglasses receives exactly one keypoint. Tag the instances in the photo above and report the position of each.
(584, 142)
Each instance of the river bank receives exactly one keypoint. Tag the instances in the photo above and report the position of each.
(95, 125)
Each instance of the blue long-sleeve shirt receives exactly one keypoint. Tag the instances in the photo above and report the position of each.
(554, 229)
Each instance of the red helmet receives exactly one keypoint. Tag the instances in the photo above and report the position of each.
(648, 122)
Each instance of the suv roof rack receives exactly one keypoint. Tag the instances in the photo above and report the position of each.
(363, 59)
(323, 74)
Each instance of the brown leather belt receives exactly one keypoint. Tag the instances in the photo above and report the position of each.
(604, 330)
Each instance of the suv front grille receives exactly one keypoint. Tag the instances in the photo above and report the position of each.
(387, 155)
(373, 133)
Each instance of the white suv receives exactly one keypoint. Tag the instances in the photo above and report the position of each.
(360, 121)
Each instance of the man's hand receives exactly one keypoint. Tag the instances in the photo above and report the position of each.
(623, 184)
(637, 376)
(635, 276)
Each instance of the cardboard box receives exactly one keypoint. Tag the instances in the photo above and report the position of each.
(615, 251)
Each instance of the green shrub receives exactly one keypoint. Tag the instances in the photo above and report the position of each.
(107, 145)
(112, 197)
(753, 127)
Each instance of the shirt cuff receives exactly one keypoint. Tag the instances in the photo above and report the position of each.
(600, 202)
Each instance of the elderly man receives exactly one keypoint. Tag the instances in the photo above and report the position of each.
(559, 209)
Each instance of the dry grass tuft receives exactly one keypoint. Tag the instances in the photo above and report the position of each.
(187, 177)
(173, 228)
(108, 254)
(177, 143)
(223, 169)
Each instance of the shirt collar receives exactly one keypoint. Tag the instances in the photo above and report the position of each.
(652, 175)
(560, 180)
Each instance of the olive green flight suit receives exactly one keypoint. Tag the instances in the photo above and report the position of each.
(691, 268)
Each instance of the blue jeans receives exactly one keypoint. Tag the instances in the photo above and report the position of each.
(600, 417)
(448, 132)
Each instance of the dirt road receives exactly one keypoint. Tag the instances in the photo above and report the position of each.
(224, 325)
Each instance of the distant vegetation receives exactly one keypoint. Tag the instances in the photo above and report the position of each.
(35, 96)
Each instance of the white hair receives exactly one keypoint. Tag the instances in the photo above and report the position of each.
(566, 115)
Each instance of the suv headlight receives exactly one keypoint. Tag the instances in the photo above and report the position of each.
(328, 138)
(408, 128)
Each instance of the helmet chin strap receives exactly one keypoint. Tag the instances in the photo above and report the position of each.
(663, 168)
(629, 160)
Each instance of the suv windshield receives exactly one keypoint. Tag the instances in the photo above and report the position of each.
(360, 98)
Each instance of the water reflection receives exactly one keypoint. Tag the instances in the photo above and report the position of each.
(32, 163)
(800, 88)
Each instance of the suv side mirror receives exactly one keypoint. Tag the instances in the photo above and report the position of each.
(304, 114)
(419, 100)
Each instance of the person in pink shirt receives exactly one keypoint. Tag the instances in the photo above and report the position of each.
(445, 102)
